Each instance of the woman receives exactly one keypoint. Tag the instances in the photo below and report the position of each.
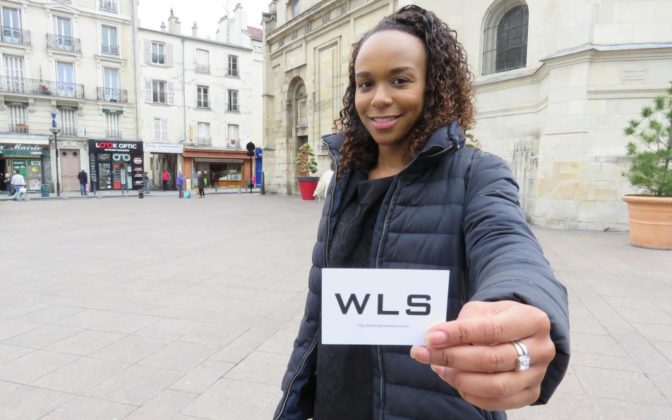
(409, 195)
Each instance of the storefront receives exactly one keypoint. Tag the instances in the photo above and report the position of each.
(116, 165)
(226, 168)
(163, 156)
(30, 159)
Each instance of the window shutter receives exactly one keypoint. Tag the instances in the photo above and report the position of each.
(170, 93)
(169, 55)
(148, 90)
(148, 52)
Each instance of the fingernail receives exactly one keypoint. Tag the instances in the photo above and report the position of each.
(438, 369)
(420, 353)
(437, 338)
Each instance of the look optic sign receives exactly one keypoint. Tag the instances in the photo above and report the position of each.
(110, 146)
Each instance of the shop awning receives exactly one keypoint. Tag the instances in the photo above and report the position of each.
(218, 160)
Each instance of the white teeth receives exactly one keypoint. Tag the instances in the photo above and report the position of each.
(383, 119)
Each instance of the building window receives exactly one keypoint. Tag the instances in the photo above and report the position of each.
(294, 8)
(17, 119)
(232, 69)
(108, 5)
(233, 101)
(505, 37)
(110, 42)
(113, 120)
(14, 72)
(12, 31)
(68, 125)
(202, 61)
(202, 100)
(233, 136)
(65, 79)
(301, 111)
(158, 53)
(160, 129)
(203, 136)
(159, 95)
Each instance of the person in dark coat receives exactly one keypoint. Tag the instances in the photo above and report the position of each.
(200, 179)
(409, 195)
(83, 178)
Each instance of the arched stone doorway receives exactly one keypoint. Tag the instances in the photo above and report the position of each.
(297, 128)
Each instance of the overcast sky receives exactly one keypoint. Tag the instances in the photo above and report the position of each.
(204, 12)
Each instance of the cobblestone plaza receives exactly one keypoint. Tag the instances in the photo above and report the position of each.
(119, 308)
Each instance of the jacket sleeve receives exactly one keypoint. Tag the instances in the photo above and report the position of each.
(504, 259)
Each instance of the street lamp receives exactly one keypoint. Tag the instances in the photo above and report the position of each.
(55, 130)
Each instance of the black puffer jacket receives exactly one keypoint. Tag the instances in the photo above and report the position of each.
(451, 208)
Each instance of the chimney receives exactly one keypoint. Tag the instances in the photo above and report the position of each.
(194, 30)
(223, 29)
(174, 26)
(240, 16)
(163, 26)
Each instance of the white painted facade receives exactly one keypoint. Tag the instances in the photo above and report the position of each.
(213, 91)
(558, 119)
(55, 57)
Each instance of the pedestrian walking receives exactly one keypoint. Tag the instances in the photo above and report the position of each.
(213, 180)
(19, 186)
(145, 182)
(179, 181)
(200, 179)
(408, 194)
(165, 179)
(83, 180)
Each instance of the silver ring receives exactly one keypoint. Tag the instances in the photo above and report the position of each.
(523, 359)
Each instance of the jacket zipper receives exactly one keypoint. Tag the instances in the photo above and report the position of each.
(291, 383)
(326, 250)
(380, 248)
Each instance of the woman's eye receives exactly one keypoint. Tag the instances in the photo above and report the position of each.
(364, 85)
(399, 82)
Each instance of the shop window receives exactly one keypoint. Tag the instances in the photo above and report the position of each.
(234, 106)
(202, 99)
(113, 125)
(17, 118)
(505, 37)
(232, 69)
(68, 126)
(160, 129)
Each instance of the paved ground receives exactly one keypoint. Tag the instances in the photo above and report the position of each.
(164, 308)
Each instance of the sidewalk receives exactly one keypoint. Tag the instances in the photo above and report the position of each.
(66, 195)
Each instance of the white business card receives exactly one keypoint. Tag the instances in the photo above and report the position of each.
(382, 306)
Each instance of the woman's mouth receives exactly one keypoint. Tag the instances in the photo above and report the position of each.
(384, 123)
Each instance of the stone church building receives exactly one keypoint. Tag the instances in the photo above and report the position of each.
(556, 82)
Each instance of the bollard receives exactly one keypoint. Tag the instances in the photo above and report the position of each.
(141, 194)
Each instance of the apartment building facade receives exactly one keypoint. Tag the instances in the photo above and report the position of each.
(74, 59)
(556, 83)
(201, 100)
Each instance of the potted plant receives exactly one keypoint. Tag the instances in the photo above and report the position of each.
(305, 166)
(650, 213)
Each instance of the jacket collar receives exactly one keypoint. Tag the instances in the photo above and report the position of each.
(449, 136)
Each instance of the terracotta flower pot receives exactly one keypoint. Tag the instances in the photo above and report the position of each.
(650, 221)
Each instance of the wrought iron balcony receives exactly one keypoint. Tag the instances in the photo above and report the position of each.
(203, 141)
(114, 133)
(64, 43)
(109, 49)
(108, 5)
(113, 95)
(158, 59)
(23, 86)
(202, 68)
(14, 35)
(20, 128)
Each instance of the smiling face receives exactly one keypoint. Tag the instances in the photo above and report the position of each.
(390, 77)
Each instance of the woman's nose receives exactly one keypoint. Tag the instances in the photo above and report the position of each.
(381, 97)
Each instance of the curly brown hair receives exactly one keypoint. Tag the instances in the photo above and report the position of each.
(448, 89)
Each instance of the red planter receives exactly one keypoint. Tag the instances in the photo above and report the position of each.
(307, 185)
